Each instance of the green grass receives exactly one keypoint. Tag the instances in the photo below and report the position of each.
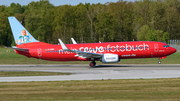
(13, 58)
(29, 73)
(102, 90)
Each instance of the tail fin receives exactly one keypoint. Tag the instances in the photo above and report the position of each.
(21, 35)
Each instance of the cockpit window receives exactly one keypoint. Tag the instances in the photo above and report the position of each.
(166, 46)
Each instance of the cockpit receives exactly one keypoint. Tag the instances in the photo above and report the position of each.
(166, 46)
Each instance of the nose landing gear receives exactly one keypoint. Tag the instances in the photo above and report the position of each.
(159, 62)
(92, 64)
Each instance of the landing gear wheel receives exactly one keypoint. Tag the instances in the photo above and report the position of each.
(159, 62)
(92, 64)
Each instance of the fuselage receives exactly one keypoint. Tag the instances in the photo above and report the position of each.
(125, 50)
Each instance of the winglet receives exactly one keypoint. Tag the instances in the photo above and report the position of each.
(63, 45)
(74, 42)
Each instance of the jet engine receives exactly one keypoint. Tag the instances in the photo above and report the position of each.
(110, 58)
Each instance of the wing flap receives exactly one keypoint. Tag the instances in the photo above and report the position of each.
(87, 54)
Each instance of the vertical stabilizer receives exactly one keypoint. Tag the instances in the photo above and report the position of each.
(21, 35)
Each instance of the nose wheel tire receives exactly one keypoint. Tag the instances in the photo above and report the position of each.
(159, 62)
(92, 64)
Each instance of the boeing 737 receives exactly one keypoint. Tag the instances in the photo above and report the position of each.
(106, 52)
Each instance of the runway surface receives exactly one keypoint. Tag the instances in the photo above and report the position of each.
(84, 72)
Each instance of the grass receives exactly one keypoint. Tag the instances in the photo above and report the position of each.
(13, 58)
(102, 90)
(29, 73)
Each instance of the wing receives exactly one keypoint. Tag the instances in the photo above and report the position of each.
(19, 49)
(80, 53)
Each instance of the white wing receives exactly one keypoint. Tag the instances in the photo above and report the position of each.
(80, 53)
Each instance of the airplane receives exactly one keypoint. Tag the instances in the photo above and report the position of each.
(106, 52)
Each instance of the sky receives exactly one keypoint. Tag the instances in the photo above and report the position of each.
(58, 2)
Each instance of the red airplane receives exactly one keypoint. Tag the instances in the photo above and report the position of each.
(108, 52)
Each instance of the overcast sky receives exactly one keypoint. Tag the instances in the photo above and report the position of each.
(58, 2)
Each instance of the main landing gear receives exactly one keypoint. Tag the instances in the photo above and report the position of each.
(92, 64)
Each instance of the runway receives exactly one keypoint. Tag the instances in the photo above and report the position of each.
(84, 72)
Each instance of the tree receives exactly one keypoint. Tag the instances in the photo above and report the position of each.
(14, 9)
(171, 19)
(35, 14)
(156, 13)
(81, 24)
(144, 33)
(166, 37)
(105, 27)
(141, 15)
(122, 13)
(91, 16)
(148, 34)
(63, 23)
(153, 20)
(5, 31)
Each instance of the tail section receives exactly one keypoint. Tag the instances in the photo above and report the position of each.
(21, 35)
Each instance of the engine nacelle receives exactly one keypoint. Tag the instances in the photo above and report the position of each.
(110, 58)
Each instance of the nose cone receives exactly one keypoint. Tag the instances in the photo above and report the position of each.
(173, 50)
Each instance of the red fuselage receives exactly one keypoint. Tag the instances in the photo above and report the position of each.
(125, 50)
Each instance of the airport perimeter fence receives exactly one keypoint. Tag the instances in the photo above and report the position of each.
(175, 44)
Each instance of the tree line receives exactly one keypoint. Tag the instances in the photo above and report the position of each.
(144, 20)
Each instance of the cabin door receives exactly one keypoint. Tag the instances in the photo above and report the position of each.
(156, 47)
(39, 52)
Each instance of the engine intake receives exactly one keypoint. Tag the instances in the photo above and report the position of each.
(110, 58)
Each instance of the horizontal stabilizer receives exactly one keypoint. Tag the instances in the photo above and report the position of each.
(19, 49)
